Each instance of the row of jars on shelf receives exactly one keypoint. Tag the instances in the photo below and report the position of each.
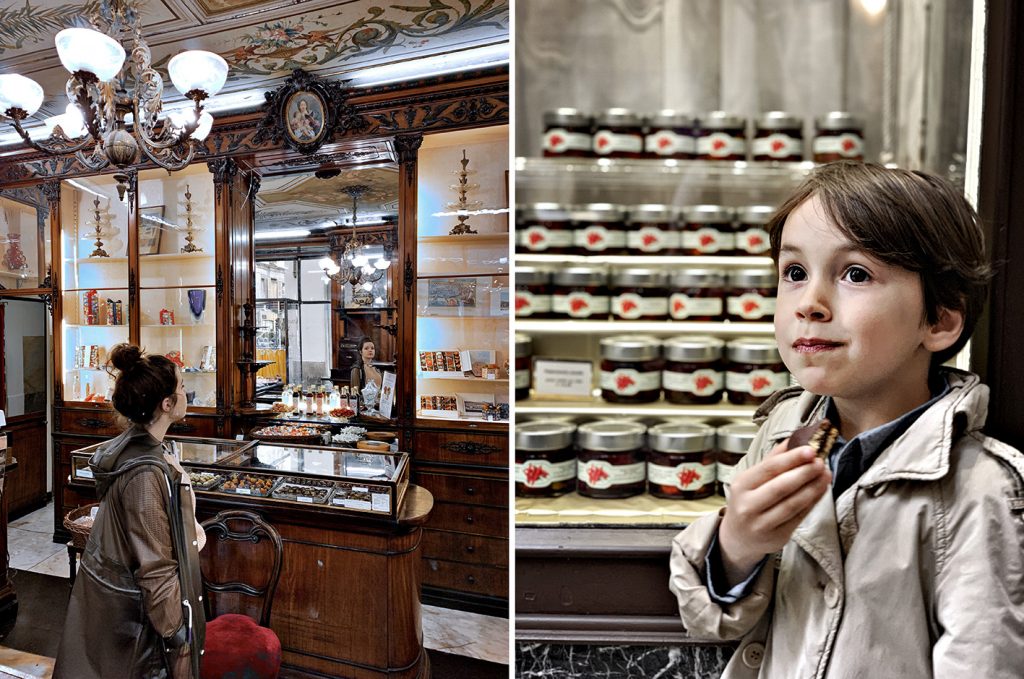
(688, 370)
(718, 135)
(675, 460)
(646, 293)
(649, 229)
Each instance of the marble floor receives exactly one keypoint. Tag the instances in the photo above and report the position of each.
(484, 637)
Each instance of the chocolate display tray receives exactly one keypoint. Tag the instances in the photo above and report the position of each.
(362, 497)
(315, 483)
(249, 490)
(208, 485)
(301, 493)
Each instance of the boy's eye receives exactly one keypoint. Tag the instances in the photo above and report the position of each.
(857, 275)
(794, 273)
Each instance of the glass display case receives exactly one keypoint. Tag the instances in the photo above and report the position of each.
(23, 228)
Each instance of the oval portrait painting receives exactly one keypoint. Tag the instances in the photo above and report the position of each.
(304, 117)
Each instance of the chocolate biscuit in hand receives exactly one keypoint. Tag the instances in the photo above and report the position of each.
(821, 436)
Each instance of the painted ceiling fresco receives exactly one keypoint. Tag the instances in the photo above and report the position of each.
(303, 201)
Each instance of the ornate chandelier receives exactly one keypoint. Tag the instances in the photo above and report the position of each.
(104, 91)
(354, 265)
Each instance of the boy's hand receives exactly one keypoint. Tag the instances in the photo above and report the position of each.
(766, 504)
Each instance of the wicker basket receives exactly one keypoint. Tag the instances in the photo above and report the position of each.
(79, 534)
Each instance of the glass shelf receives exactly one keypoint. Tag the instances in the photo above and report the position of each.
(573, 326)
(597, 406)
(676, 261)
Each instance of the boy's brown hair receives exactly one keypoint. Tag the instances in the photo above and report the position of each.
(913, 220)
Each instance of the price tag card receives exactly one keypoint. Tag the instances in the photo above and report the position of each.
(562, 378)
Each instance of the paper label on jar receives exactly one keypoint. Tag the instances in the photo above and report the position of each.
(522, 379)
(631, 306)
(757, 382)
(681, 306)
(606, 142)
(598, 238)
(846, 145)
(707, 240)
(600, 475)
(528, 304)
(750, 306)
(754, 241)
(721, 145)
(542, 473)
(652, 239)
(668, 143)
(560, 140)
(725, 472)
(539, 238)
(580, 305)
(629, 382)
(702, 382)
(684, 476)
(778, 146)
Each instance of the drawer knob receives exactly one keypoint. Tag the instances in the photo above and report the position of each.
(92, 422)
(470, 579)
(470, 490)
(470, 549)
(469, 519)
(470, 447)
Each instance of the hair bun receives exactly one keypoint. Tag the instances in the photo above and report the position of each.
(125, 356)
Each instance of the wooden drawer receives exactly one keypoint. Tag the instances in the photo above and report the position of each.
(194, 425)
(465, 577)
(462, 448)
(474, 490)
(486, 521)
(466, 548)
(94, 422)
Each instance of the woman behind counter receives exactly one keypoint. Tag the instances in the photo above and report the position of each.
(364, 373)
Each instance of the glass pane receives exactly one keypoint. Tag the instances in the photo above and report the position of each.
(20, 226)
(176, 228)
(94, 322)
(272, 339)
(25, 356)
(316, 343)
(463, 297)
(179, 323)
(94, 235)
(316, 286)
(277, 280)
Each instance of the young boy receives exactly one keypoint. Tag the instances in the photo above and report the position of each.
(913, 565)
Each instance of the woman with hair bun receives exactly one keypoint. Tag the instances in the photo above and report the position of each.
(136, 609)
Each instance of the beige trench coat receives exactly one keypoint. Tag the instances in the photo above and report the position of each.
(917, 570)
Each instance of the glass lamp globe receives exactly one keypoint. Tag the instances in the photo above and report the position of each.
(205, 125)
(17, 91)
(360, 261)
(198, 70)
(328, 265)
(83, 49)
(382, 263)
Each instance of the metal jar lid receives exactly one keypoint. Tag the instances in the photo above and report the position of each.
(544, 212)
(671, 118)
(754, 214)
(530, 275)
(566, 117)
(598, 212)
(779, 120)
(839, 120)
(581, 276)
(544, 435)
(524, 345)
(758, 350)
(681, 437)
(652, 213)
(630, 348)
(617, 117)
(698, 278)
(707, 214)
(611, 436)
(736, 437)
(693, 349)
(722, 120)
(753, 278)
(638, 278)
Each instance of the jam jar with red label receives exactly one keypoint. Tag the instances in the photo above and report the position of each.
(580, 292)
(524, 366)
(681, 460)
(611, 459)
(708, 230)
(545, 458)
(544, 228)
(734, 441)
(653, 229)
(751, 236)
(618, 133)
(599, 229)
(630, 369)
(750, 294)
(639, 295)
(670, 135)
(567, 134)
(778, 136)
(754, 370)
(838, 136)
(721, 136)
(533, 292)
(694, 371)
(696, 295)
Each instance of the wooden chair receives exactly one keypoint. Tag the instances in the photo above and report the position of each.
(241, 564)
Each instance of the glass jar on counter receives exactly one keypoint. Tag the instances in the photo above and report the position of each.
(754, 370)
(778, 136)
(838, 135)
(618, 133)
(533, 292)
(544, 228)
(639, 295)
(733, 443)
(545, 458)
(611, 459)
(751, 236)
(670, 135)
(696, 295)
(580, 292)
(707, 230)
(599, 229)
(681, 460)
(653, 229)
(721, 136)
(750, 294)
(524, 366)
(567, 134)
(630, 369)
(694, 371)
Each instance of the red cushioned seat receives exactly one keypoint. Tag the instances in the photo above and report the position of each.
(237, 647)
